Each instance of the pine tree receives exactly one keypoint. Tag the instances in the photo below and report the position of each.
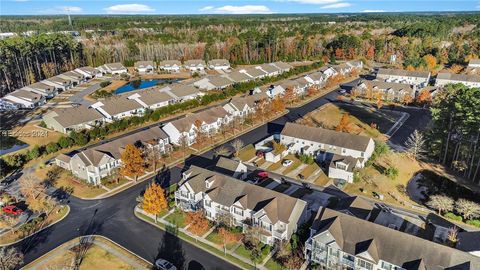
(415, 144)
(154, 200)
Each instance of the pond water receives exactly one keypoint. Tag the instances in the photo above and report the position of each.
(141, 84)
(10, 144)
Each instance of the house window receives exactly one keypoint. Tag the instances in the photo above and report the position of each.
(387, 266)
(237, 211)
(362, 154)
(364, 264)
(207, 203)
(341, 166)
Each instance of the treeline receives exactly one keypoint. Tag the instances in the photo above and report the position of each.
(454, 137)
(25, 60)
(240, 39)
(14, 162)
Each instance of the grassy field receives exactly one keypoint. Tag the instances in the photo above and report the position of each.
(360, 118)
(273, 265)
(242, 250)
(214, 237)
(96, 257)
(80, 188)
(178, 218)
(373, 179)
(33, 135)
(247, 153)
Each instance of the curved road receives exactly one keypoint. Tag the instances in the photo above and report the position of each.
(113, 217)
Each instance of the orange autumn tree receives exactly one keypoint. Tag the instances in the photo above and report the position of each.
(431, 61)
(198, 224)
(354, 94)
(410, 68)
(455, 68)
(289, 94)
(228, 237)
(343, 126)
(132, 162)
(311, 91)
(424, 97)
(154, 200)
(278, 105)
(407, 99)
(379, 98)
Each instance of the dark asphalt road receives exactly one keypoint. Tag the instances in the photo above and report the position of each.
(113, 217)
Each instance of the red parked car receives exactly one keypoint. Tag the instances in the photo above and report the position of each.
(262, 174)
(12, 210)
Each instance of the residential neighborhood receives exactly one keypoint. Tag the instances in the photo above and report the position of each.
(228, 136)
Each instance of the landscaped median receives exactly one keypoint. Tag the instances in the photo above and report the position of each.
(34, 226)
(206, 244)
(89, 253)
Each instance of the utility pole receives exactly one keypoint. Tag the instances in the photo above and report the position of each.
(69, 19)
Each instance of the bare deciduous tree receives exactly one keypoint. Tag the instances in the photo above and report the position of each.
(220, 151)
(467, 209)
(453, 235)
(9, 258)
(237, 145)
(153, 156)
(441, 203)
(415, 144)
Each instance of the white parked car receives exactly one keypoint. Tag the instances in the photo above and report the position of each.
(164, 265)
(287, 162)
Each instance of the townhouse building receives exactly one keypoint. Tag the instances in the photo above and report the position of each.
(254, 73)
(113, 68)
(270, 69)
(238, 77)
(73, 76)
(444, 78)
(389, 90)
(186, 129)
(242, 106)
(170, 65)
(195, 65)
(89, 72)
(284, 67)
(73, 119)
(60, 83)
(22, 99)
(418, 78)
(219, 64)
(341, 241)
(48, 91)
(343, 151)
(232, 168)
(213, 83)
(275, 214)
(145, 67)
(118, 107)
(95, 163)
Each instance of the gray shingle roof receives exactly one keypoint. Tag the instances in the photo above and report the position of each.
(227, 190)
(404, 73)
(76, 115)
(458, 77)
(320, 135)
(142, 64)
(238, 76)
(355, 235)
(219, 62)
(169, 63)
(194, 63)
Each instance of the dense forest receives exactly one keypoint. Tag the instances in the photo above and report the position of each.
(448, 38)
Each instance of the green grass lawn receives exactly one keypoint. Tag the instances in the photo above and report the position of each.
(178, 218)
(310, 169)
(243, 251)
(112, 185)
(275, 166)
(214, 237)
(247, 153)
(273, 265)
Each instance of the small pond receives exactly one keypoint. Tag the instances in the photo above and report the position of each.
(426, 183)
(10, 144)
(141, 84)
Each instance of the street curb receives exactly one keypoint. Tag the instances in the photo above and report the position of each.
(187, 240)
(90, 235)
(49, 225)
